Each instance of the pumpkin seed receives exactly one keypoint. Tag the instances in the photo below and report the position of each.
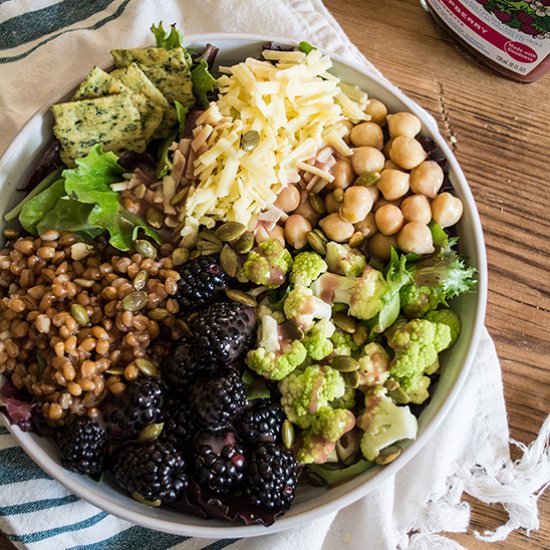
(361, 335)
(134, 301)
(317, 203)
(179, 196)
(154, 217)
(387, 455)
(10, 233)
(158, 314)
(351, 379)
(229, 261)
(140, 191)
(250, 140)
(180, 256)
(241, 297)
(155, 503)
(344, 322)
(184, 327)
(314, 479)
(140, 280)
(146, 367)
(245, 243)
(116, 371)
(230, 231)
(80, 314)
(150, 432)
(195, 254)
(367, 180)
(343, 363)
(287, 433)
(391, 384)
(356, 240)
(399, 395)
(338, 194)
(145, 248)
(347, 447)
(316, 243)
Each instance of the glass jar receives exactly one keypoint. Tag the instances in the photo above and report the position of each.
(512, 38)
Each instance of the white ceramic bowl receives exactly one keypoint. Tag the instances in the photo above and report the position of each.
(310, 502)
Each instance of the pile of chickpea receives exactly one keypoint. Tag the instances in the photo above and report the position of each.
(383, 196)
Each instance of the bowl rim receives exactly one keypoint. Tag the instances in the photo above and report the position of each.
(70, 481)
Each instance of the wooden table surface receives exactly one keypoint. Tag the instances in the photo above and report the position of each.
(500, 133)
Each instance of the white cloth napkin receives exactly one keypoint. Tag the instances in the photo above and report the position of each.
(46, 45)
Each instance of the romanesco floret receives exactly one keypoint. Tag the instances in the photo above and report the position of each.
(267, 264)
(447, 317)
(362, 294)
(374, 365)
(347, 401)
(307, 391)
(302, 307)
(416, 346)
(435, 280)
(314, 449)
(317, 341)
(275, 357)
(343, 343)
(267, 308)
(417, 391)
(307, 267)
(344, 260)
(384, 423)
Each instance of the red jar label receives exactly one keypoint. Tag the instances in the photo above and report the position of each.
(515, 35)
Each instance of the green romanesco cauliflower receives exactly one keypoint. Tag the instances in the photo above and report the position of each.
(307, 391)
(363, 295)
(344, 260)
(302, 307)
(317, 341)
(319, 441)
(347, 401)
(307, 267)
(416, 393)
(384, 423)
(275, 357)
(267, 264)
(447, 317)
(435, 280)
(374, 366)
(343, 343)
(416, 345)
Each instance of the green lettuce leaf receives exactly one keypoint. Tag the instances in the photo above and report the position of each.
(181, 114)
(34, 210)
(203, 82)
(163, 39)
(305, 47)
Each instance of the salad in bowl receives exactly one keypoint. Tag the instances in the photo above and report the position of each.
(229, 284)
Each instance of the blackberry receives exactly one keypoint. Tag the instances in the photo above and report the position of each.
(179, 425)
(261, 422)
(202, 282)
(218, 399)
(82, 445)
(223, 332)
(155, 470)
(140, 404)
(270, 477)
(219, 461)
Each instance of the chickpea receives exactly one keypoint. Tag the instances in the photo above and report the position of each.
(427, 178)
(446, 209)
(288, 199)
(261, 234)
(382, 202)
(389, 164)
(403, 124)
(356, 205)
(306, 210)
(296, 229)
(415, 237)
(331, 204)
(386, 151)
(343, 174)
(393, 184)
(388, 219)
(336, 229)
(367, 133)
(375, 193)
(367, 159)
(377, 111)
(406, 152)
(380, 245)
(277, 233)
(368, 226)
(416, 208)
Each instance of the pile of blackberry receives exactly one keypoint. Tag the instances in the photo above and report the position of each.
(195, 423)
